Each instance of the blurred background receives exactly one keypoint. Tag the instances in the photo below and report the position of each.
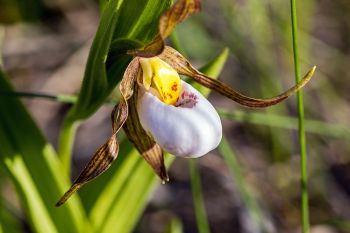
(45, 44)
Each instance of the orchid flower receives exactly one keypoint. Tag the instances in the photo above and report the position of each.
(160, 112)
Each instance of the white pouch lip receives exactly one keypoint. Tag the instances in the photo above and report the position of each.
(190, 130)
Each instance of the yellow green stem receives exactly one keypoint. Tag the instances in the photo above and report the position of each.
(66, 142)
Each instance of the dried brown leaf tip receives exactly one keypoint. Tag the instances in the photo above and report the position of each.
(160, 112)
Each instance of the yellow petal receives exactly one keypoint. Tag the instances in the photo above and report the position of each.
(147, 73)
(162, 77)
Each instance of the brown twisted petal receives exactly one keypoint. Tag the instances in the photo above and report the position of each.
(108, 152)
(147, 147)
(182, 66)
(167, 22)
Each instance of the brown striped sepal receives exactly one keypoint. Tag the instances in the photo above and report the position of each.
(182, 66)
(107, 153)
(146, 146)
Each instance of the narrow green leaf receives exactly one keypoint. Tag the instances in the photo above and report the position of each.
(31, 199)
(95, 83)
(34, 169)
(140, 19)
(133, 198)
(176, 43)
(102, 4)
(213, 69)
(95, 87)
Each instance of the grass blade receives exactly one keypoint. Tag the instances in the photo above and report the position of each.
(198, 201)
(236, 173)
(175, 226)
(8, 220)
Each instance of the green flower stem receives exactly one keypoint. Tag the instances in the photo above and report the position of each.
(69, 99)
(201, 216)
(302, 138)
(175, 226)
(323, 128)
(287, 122)
(66, 142)
(30, 95)
(68, 129)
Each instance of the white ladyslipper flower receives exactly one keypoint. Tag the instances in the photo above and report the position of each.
(174, 114)
(189, 128)
(159, 111)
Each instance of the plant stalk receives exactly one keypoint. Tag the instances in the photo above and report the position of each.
(66, 142)
(302, 138)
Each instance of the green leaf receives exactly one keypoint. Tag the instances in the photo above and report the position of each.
(102, 4)
(95, 84)
(124, 25)
(140, 19)
(8, 220)
(34, 169)
(213, 69)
